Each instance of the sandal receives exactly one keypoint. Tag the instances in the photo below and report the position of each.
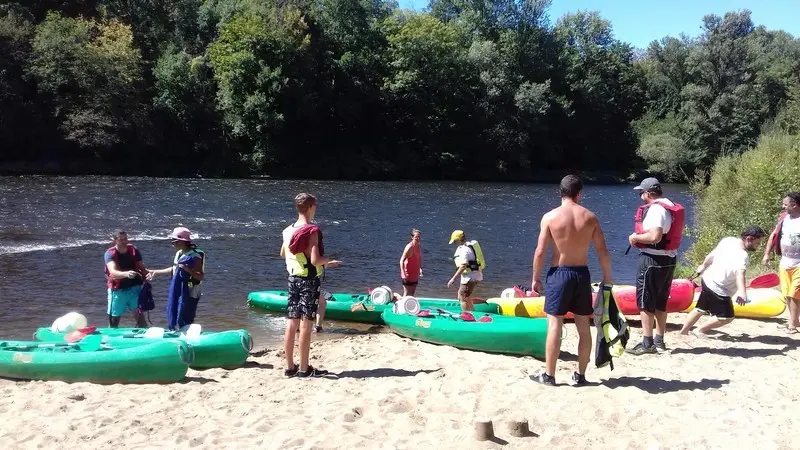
(792, 331)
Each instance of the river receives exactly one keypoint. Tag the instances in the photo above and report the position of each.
(54, 230)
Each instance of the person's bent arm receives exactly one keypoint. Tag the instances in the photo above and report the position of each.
(709, 259)
(741, 291)
(118, 274)
(651, 236)
(403, 257)
(316, 258)
(599, 241)
(768, 248)
(540, 254)
(198, 273)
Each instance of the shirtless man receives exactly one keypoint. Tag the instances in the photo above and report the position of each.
(571, 228)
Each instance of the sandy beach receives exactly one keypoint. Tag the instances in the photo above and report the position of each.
(738, 390)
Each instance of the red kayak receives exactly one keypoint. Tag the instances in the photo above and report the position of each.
(680, 297)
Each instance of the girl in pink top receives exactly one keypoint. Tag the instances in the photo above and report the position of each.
(411, 263)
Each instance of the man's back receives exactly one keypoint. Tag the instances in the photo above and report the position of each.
(572, 227)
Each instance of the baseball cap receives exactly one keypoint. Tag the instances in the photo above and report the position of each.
(181, 234)
(458, 234)
(647, 184)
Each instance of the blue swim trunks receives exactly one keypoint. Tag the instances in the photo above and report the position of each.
(122, 300)
(568, 289)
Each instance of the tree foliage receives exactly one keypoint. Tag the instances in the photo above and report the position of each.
(470, 89)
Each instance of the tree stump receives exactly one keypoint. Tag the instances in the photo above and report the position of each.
(484, 430)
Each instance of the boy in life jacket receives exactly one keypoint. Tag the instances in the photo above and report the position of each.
(658, 226)
(785, 242)
(470, 264)
(125, 273)
(188, 273)
(304, 252)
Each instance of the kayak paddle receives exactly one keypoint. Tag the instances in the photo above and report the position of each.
(79, 334)
(767, 280)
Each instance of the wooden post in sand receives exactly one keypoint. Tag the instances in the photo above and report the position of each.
(518, 428)
(484, 430)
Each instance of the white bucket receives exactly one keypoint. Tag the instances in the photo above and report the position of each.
(508, 293)
(407, 305)
(381, 295)
(69, 322)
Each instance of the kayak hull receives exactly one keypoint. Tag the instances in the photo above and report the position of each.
(509, 335)
(227, 349)
(680, 298)
(341, 306)
(762, 303)
(160, 362)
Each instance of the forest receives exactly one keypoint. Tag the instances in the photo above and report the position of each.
(361, 89)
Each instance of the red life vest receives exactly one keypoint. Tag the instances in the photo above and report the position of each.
(114, 283)
(776, 236)
(670, 240)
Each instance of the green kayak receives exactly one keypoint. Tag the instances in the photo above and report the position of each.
(226, 349)
(512, 335)
(89, 360)
(339, 307)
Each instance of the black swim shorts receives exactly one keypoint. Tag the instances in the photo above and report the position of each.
(409, 283)
(568, 289)
(709, 302)
(654, 281)
(303, 298)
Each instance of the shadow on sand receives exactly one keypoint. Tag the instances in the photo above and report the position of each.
(382, 373)
(660, 386)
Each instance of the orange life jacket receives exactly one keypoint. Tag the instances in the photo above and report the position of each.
(670, 240)
(114, 283)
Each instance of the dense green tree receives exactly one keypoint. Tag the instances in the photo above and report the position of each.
(470, 89)
(91, 73)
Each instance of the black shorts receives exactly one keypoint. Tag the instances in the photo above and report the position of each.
(710, 303)
(654, 281)
(303, 298)
(409, 283)
(568, 289)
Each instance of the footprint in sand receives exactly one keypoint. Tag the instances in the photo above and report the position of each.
(196, 442)
(264, 427)
(354, 415)
(401, 406)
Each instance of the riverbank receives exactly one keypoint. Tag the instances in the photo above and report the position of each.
(92, 167)
(730, 392)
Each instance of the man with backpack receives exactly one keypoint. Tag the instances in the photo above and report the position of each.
(470, 264)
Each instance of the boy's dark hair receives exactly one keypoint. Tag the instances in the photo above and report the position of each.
(753, 231)
(794, 196)
(571, 186)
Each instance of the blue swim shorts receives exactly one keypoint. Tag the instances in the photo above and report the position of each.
(568, 289)
(122, 300)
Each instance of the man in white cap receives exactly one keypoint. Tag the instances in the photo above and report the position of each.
(469, 266)
(658, 226)
(189, 263)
